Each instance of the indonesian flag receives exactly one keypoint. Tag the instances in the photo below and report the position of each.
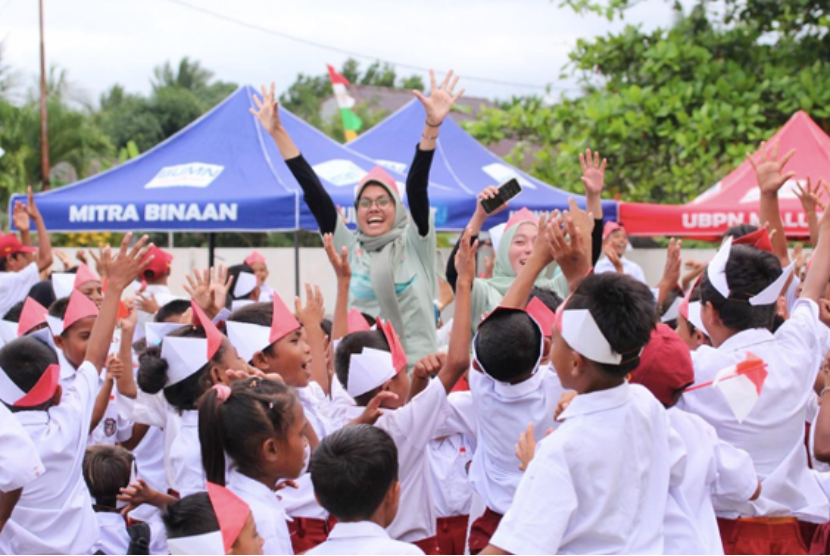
(351, 122)
(740, 384)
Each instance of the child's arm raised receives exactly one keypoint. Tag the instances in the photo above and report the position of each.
(120, 271)
(44, 242)
(311, 316)
(815, 283)
(340, 264)
(810, 198)
(458, 356)
(102, 400)
(671, 273)
(770, 180)
(570, 252)
(539, 259)
(125, 384)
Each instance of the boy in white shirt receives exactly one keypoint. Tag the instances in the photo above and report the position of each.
(19, 463)
(54, 514)
(355, 476)
(599, 483)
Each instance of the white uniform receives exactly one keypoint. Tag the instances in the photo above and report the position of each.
(598, 484)
(451, 455)
(716, 474)
(54, 514)
(112, 530)
(186, 456)
(503, 412)
(162, 294)
(362, 537)
(15, 286)
(629, 267)
(269, 514)
(19, 461)
(773, 432)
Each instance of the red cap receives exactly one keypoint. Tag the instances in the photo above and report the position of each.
(9, 245)
(610, 228)
(160, 263)
(79, 308)
(254, 257)
(759, 239)
(379, 176)
(665, 365)
(85, 274)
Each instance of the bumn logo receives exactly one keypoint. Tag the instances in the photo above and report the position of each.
(195, 174)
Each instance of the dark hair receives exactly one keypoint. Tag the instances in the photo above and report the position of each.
(256, 313)
(748, 272)
(694, 296)
(25, 360)
(352, 344)
(327, 326)
(256, 410)
(624, 310)
(107, 469)
(13, 314)
(508, 344)
(234, 272)
(43, 293)
(674, 293)
(352, 469)
(152, 373)
(174, 308)
(549, 297)
(58, 308)
(740, 230)
(4, 259)
(192, 515)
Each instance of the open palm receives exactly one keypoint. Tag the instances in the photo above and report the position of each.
(267, 109)
(440, 100)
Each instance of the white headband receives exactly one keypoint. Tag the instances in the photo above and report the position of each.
(206, 543)
(245, 283)
(580, 330)
(716, 272)
(369, 370)
(541, 343)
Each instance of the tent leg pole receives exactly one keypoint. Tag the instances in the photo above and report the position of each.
(297, 263)
(170, 240)
(211, 248)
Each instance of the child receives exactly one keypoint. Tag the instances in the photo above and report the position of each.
(19, 463)
(617, 431)
(259, 424)
(739, 291)
(189, 362)
(82, 279)
(257, 262)
(107, 470)
(212, 522)
(18, 272)
(690, 325)
(71, 320)
(274, 341)
(54, 514)
(244, 289)
(156, 276)
(355, 476)
(717, 474)
(373, 376)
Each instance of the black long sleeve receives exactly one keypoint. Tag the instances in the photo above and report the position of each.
(316, 197)
(417, 189)
(596, 241)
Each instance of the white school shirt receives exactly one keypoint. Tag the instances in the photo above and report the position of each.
(54, 514)
(503, 412)
(412, 427)
(153, 410)
(186, 456)
(266, 293)
(15, 286)
(716, 473)
(269, 514)
(362, 537)
(19, 461)
(112, 533)
(112, 428)
(162, 294)
(629, 267)
(773, 432)
(599, 483)
(450, 458)
(301, 502)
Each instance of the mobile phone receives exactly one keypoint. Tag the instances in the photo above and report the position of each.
(507, 191)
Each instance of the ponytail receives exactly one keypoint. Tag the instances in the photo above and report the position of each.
(211, 433)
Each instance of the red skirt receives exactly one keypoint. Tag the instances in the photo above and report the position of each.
(483, 530)
(306, 532)
(761, 535)
(428, 545)
(452, 534)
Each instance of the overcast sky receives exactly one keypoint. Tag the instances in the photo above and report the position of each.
(102, 42)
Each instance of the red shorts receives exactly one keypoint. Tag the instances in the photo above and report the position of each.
(483, 530)
(428, 545)
(452, 534)
(306, 532)
(820, 541)
(761, 535)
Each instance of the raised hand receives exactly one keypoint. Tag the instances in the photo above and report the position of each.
(220, 284)
(147, 303)
(373, 410)
(465, 260)
(613, 258)
(128, 264)
(314, 310)
(593, 172)
(339, 262)
(428, 366)
(198, 288)
(62, 256)
(569, 252)
(488, 192)
(671, 272)
(20, 217)
(769, 170)
(440, 100)
(267, 109)
(115, 368)
(31, 207)
(809, 196)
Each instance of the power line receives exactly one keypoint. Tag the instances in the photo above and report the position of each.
(343, 50)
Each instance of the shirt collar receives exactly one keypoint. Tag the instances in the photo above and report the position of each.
(29, 418)
(746, 338)
(602, 400)
(190, 418)
(357, 529)
(518, 390)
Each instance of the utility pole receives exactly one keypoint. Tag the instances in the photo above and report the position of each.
(44, 140)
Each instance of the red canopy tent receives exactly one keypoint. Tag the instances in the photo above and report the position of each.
(734, 200)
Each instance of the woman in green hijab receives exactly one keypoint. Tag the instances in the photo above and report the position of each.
(392, 252)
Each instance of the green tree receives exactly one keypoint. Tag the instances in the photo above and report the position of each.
(676, 109)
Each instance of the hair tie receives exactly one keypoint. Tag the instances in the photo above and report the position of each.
(223, 392)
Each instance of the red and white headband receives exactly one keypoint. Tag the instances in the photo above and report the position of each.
(582, 333)
(373, 367)
(250, 338)
(496, 311)
(185, 356)
(716, 272)
(231, 512)
(79, 307)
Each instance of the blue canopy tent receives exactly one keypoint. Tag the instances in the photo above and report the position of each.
(460, 161)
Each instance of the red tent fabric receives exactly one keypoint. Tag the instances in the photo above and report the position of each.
(734, 200)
